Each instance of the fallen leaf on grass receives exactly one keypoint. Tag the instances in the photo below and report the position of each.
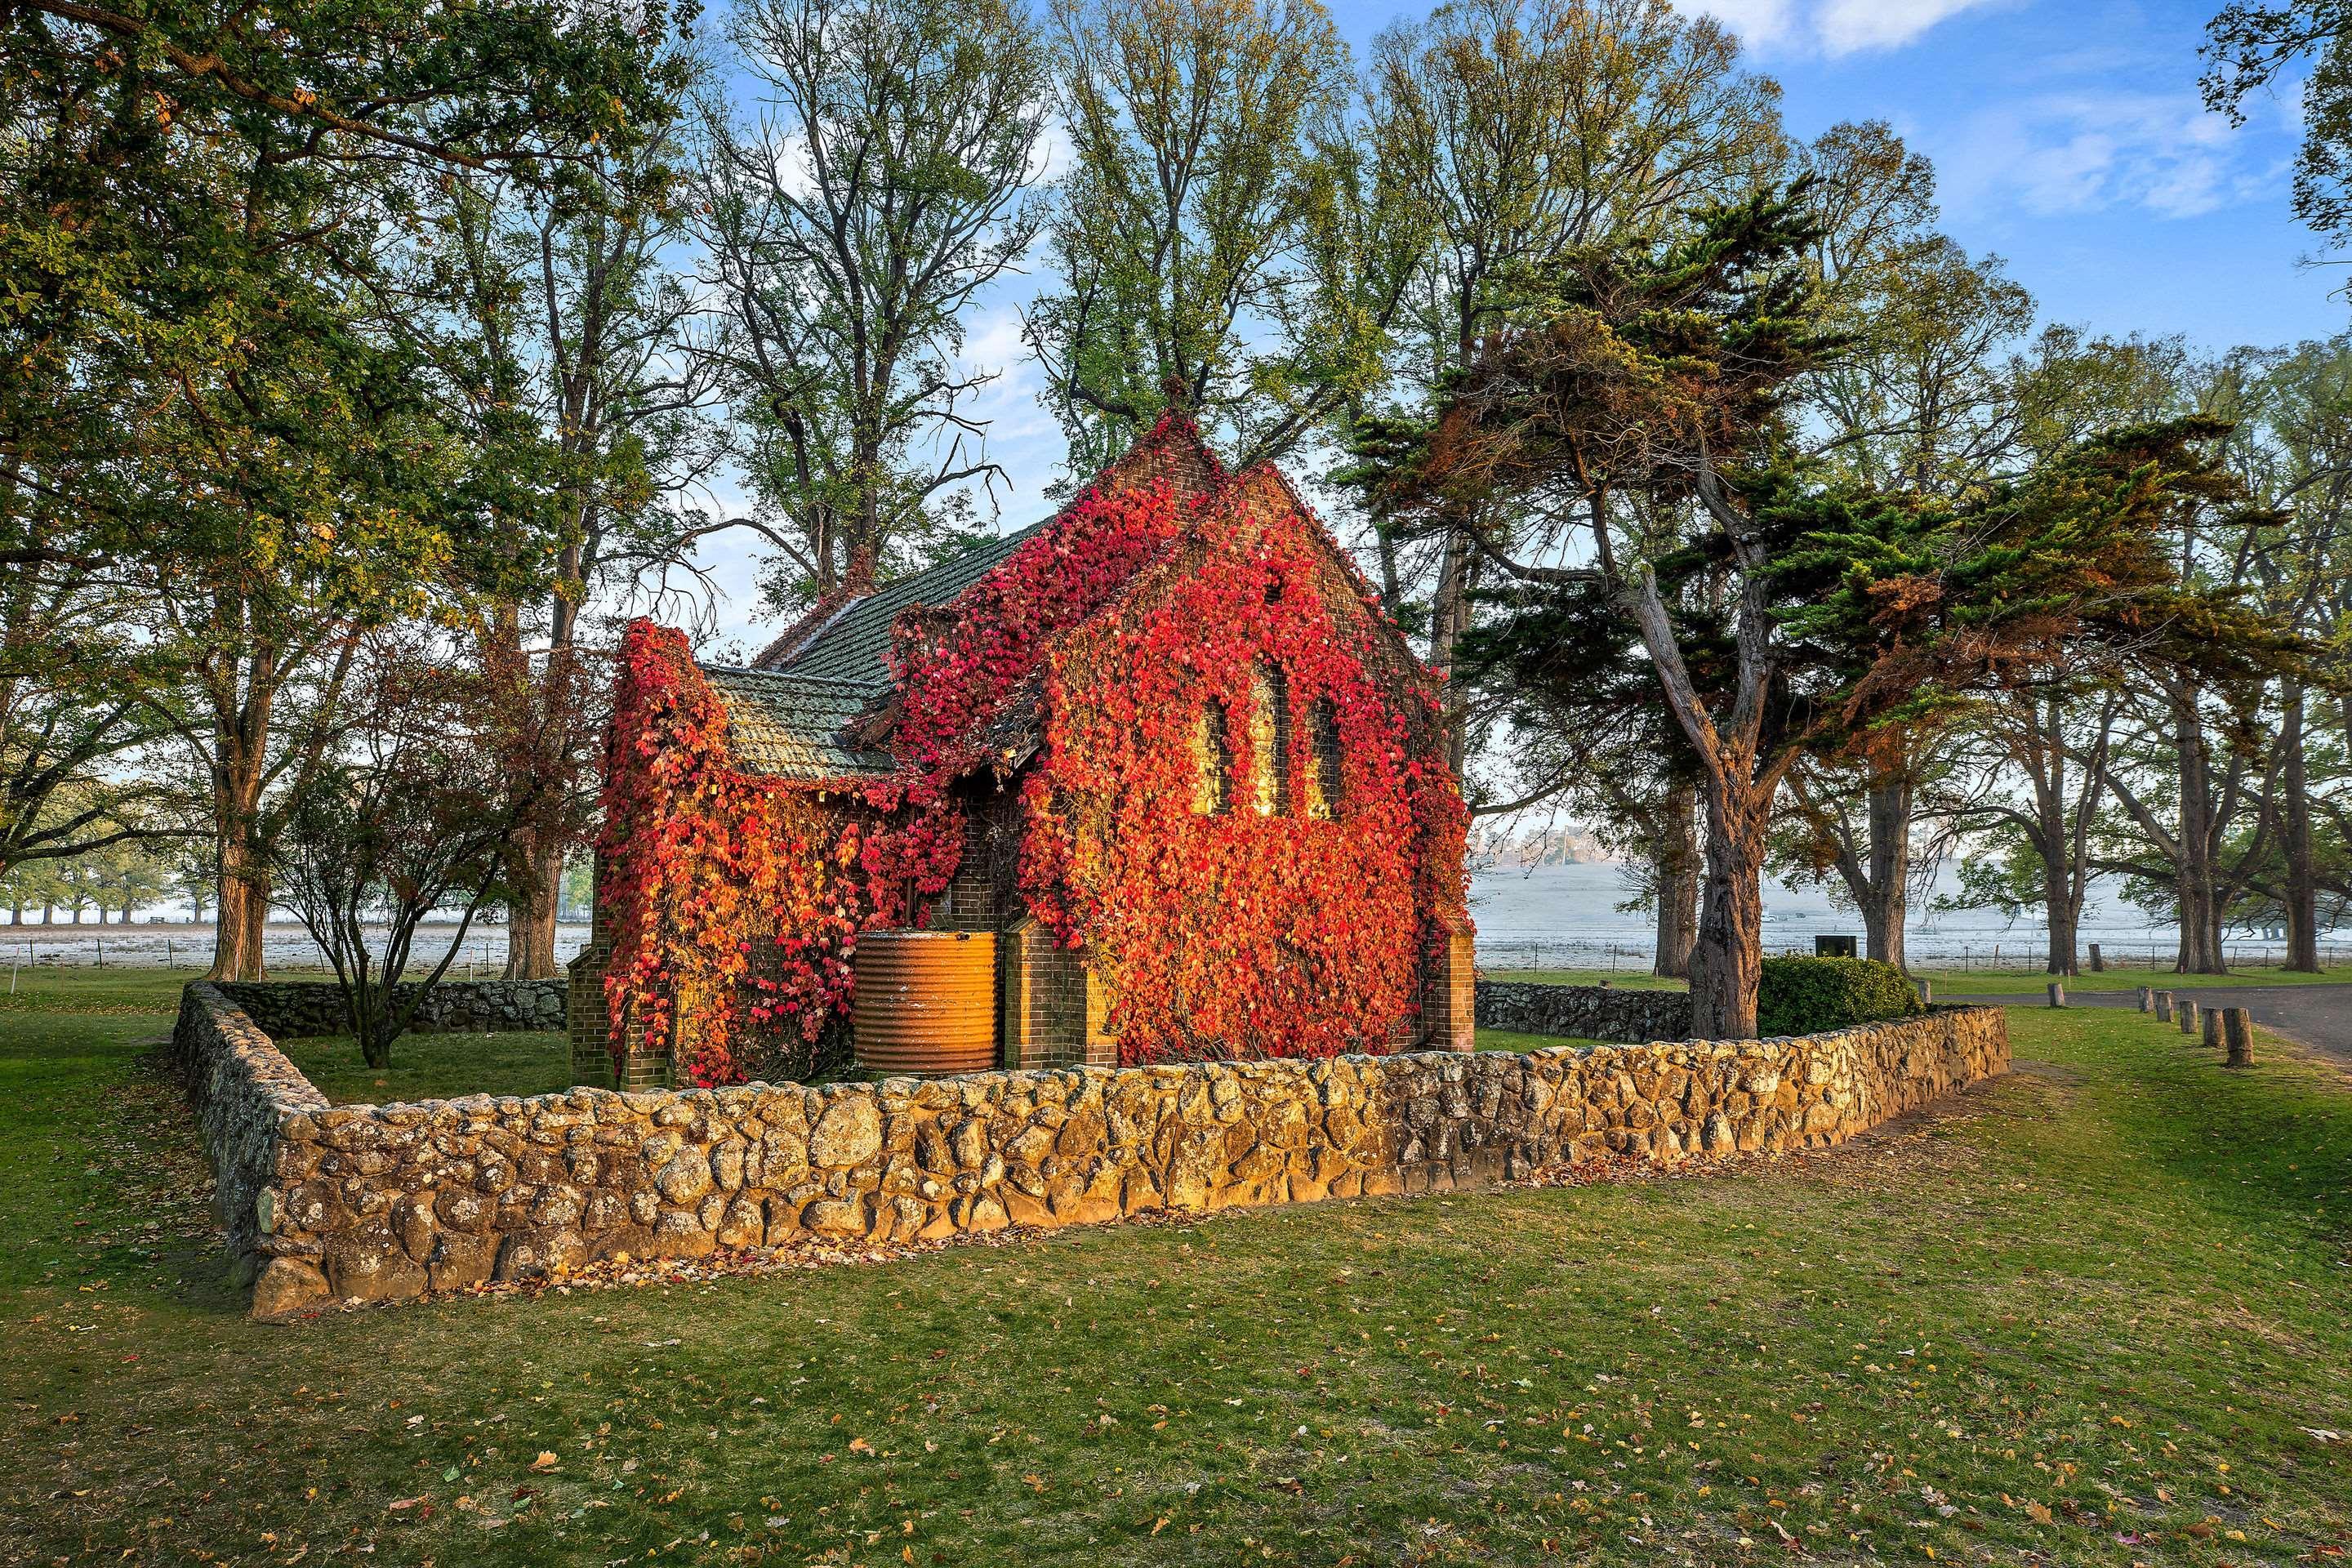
(545, 1462)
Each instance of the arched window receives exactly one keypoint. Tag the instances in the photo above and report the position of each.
(1323, 783)
(1213, 762)
(1270, 740)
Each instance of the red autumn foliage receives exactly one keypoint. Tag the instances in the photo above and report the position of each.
(706, 866)
(1282, 933)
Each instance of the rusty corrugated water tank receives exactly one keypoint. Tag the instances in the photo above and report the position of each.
(926, 1001)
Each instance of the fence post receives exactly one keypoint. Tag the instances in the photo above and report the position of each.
(2238, 1028)
(2057, 994)
(1926, 990)
(2213, 1028)
(2188, 1016)
(2163, 1006)
(2146, 998)
(2098, 964)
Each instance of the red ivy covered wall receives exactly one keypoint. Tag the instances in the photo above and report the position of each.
(1282, 933)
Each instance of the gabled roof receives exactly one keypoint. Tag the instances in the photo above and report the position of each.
(795, 712)
(853, 645)
(794, 726)
(816, 703)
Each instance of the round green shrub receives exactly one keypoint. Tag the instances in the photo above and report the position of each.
(1807, 995)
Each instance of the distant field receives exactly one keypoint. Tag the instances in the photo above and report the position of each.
(1620, 978)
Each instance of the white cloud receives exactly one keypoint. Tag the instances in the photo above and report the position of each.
(1831, 27)
(1846, 27)
(2091, 149)
(1759, 22)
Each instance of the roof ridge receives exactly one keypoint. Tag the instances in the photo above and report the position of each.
(755, 672)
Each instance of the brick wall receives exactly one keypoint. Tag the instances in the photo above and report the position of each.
(1449, 994)
(383, 1203)
(1048, 1002)
(589, 1015)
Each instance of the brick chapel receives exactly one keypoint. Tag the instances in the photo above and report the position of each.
(1208, 812)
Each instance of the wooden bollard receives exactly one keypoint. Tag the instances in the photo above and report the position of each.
(2147, 998)
(2098, 964)
(2238, 1029)
(2213, 1028)
(2188, 1016)
(1926, 990)
(2163, 1006)
(2057, 994)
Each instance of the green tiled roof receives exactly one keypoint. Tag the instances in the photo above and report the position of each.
(792, 725)
(854, 645)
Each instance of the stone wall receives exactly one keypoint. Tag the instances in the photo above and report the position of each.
(1583, 1012)
(296, 1009)
(377, 1202)
(243, 1091)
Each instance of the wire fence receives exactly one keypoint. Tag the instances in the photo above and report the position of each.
(286, 949)
(2026, 952)
(290, 951)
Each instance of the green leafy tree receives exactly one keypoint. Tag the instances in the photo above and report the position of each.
(2253, 48)
(1777, 618)
(188, 402)
(552, 328)
(879, 188)
(409, 817)
(1211, 230)
(1536, 127)
(1920, 403)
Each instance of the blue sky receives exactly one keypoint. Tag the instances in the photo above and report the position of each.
(2067, 137)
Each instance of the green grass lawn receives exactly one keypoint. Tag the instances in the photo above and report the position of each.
(1513, 1040)
(433, 1067)
(2084, 1315)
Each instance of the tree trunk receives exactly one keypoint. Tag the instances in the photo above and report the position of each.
(1889, 904)
(2061, 905)
(2200, 915)
(236, 933)
(1449, 615)
(243, 889)
(531, 914)
(2302, 882)
(1675, 859)
(1727, 960)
